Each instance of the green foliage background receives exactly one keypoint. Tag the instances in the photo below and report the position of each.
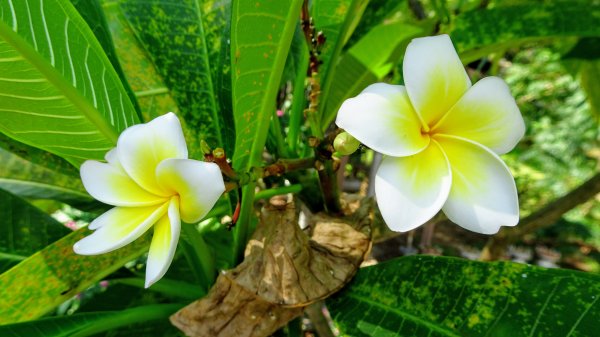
(74, 74)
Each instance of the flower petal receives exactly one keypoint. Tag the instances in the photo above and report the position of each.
(382, 118)
(142, 147)
(199, 185)
(486, 114)
(118, 227)
(411, 190)
(434, 76)
(164, 243)
(483, 196)
(109, 184)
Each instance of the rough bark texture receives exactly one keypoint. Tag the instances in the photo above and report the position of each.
(284, 271)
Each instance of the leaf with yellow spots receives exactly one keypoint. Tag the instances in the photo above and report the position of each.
(53, 275)
(450, 297)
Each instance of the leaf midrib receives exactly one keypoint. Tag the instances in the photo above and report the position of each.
(274, 77)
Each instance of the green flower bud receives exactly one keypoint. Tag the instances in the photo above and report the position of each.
(345, 144)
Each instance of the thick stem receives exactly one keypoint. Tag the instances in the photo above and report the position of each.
(317, 318)
(287, 165)
(549, 214)
(417, 8)
(329, 187)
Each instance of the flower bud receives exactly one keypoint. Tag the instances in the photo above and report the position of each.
(345, 144)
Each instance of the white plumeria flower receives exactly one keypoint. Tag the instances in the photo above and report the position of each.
(441, 138)
(151, 181)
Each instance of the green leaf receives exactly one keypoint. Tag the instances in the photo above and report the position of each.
(88, 324)
(29, 180)
(8, 261)
(376, 12)
(24, 229)
(59, 91)
(369, 61)
(261, 34)
(337, 19)
(589, 72)
(441, 296)
(53, 275)
(91, 11)
(480, 32)
(175, 36)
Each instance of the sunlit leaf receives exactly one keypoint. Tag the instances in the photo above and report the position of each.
(91, 11)
(440, 296)
(261, 34)
(59, 90)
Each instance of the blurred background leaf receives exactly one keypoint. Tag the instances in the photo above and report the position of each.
(24, 230)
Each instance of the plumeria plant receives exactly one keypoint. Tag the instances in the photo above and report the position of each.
(224, 168)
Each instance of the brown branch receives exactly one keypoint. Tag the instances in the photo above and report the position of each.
(318, 319)
(548, 215)
(417, 8)
(287, 165)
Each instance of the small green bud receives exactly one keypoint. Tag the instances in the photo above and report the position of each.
(345, 144)
(205, 147)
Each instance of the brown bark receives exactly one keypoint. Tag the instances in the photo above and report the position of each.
(496, 247)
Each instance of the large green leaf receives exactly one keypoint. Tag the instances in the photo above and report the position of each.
(51, 276)
(29, 180)
(261, 34)
(440, 296)
(24, 229)
(59, 90)
(480, 32)
(88, 324)
(175, 36)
